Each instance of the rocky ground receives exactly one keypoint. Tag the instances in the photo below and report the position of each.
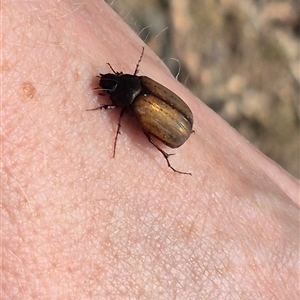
(242, 58)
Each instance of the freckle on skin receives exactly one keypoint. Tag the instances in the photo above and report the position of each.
(28, 90)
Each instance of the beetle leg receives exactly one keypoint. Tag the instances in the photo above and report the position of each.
(118, 130)
(105, 106)
(100, 91)
(165, 154)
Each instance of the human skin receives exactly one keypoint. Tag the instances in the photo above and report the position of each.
(78, 224)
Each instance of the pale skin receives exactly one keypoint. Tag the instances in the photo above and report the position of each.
(78, 224)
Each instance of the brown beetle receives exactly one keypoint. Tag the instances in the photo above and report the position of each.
(160, 112)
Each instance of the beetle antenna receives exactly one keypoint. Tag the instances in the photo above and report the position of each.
(138, 64)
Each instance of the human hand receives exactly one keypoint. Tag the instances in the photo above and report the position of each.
(78, 224)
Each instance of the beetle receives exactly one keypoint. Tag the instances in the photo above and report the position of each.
(160, 112)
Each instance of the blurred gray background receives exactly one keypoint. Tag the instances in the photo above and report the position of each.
(239, 57)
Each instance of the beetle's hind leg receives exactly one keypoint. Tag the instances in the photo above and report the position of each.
(165, 154)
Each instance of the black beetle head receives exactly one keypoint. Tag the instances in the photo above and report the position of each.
(122, 88)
